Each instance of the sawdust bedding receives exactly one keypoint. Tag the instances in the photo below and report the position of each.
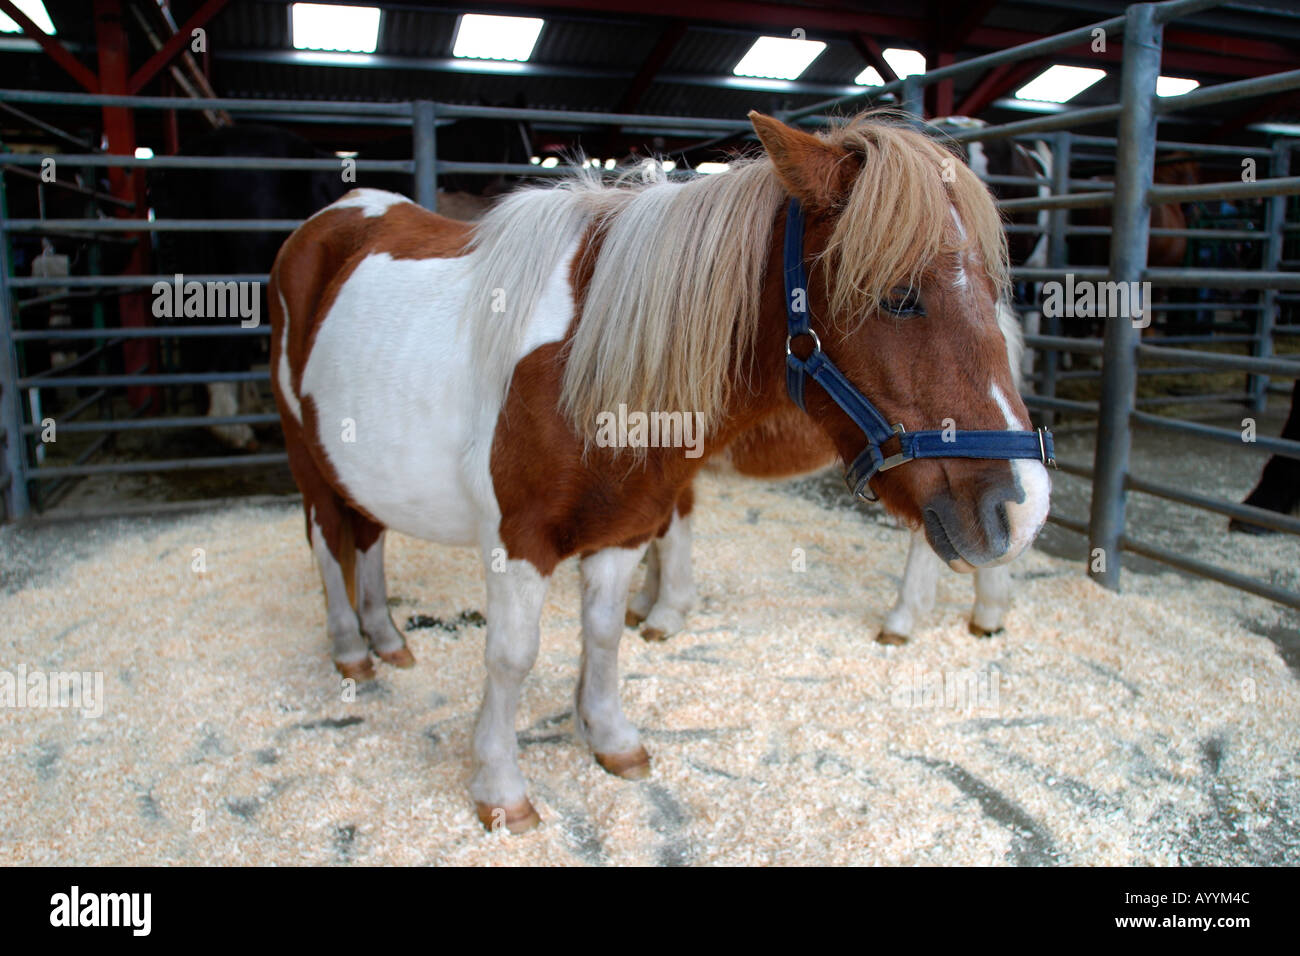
(1152, 727)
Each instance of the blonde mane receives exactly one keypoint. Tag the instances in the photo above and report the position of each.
(671, 310)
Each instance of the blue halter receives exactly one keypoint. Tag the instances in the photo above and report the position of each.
(1005, 445)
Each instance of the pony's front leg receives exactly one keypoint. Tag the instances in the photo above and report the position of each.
(915, 594)
(597, 714)
(676, 591)
(992, 599)
(514, 608)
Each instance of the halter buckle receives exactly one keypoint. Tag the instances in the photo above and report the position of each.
(893, 461)
(1042, 448)
(817, 343)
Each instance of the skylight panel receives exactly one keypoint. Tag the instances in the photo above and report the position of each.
(778, 58)
(331, 26)
(483, 37)
(1174, 85)
(903, 62)
(35, 10)
(1059, 83)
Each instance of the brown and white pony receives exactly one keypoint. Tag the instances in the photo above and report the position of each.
(445, 379)
(786, 445)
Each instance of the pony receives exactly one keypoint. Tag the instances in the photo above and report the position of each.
(783, 446)
(448, 380)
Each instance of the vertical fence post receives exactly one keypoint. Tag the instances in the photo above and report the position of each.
(424, 134)
(1058, 254)
(1134, 165)
(1279, 165)
(913, 98)
(13, 446)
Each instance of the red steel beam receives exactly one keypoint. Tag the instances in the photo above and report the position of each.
(174, 45)
(55, 50)
(119, 131)
(952, 38)
(997, 82)
(870, 51)
(785, 17)
(669, 37)
(1265, 110)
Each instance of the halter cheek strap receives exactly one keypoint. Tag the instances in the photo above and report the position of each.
(1005, 445)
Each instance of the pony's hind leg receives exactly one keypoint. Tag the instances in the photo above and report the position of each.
(372, 595)
(915, 593)
(515, 594)
(597, 713)
(329, 528)
(992, 599)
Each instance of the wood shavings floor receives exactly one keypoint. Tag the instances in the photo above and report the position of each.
(1153, 727)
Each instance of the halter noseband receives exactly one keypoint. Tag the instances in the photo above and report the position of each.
(1004, 445)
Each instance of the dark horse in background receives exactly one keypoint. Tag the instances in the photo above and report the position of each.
(234, 194)
(1279, 484)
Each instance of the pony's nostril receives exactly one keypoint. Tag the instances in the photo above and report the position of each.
(938, 535)
(996, 526)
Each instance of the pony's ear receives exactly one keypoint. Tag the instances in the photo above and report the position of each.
(814, 171)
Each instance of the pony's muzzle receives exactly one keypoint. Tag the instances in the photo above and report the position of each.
(993, 527)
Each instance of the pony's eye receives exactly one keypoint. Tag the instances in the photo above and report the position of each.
(904, 302)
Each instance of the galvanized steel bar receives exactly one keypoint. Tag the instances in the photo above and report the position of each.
(1223, 360)
(1227, 92)
(1222, 575)
(143, 332)
(161, 378)
(170, 464)
(151, 225)
(1226, 436)
(205, 162)
(1273, 186)
(143, 424)
(1134, 161)
(1279, 166)
(424, 132)
(59, 98)
(14, 466)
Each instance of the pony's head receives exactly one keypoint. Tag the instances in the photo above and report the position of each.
(906, 265)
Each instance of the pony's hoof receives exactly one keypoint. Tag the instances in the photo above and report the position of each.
(402, 657)
(359, 671)
(655, 635)
(631, 618)
(517, 818)
(979, 631)
(633, 765)
(890, 638)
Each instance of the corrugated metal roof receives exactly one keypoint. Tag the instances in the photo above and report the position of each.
(609, 45)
